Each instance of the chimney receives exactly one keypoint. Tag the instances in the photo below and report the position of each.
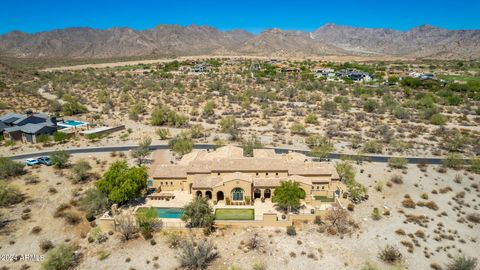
(53, 119)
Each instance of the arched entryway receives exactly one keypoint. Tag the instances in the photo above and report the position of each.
(237, 194)
(257, 194)
(208, 194)
(220, 196)
(267, 193)
(198, 193)
(190, 188)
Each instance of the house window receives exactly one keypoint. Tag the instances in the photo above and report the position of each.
(237, 194)
(276, 174)
(161, 183)
(318, 187)
(256, 174)
(218, 173)
(323, 187)
(266, 174)
(171, 183)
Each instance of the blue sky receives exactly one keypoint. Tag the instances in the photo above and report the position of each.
(253, 16)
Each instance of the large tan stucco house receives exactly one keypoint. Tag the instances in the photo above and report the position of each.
(225, 174)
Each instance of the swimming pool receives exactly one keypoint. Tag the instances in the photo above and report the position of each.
(164, 212)
(74, 123)
(71, 123)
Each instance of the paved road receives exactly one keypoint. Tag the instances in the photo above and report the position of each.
(384, 159)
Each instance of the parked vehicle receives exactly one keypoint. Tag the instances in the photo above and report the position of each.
(31, 162)
(45, 160)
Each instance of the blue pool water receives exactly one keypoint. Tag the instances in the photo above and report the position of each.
(170, 212)
(74, 123)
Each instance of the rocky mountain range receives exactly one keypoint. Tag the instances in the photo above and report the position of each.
(420, 42)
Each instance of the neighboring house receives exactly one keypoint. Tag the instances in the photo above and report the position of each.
(226, 173)
(324, 73)
(26, 127)
(355, 75)
(200, 68)
(422, 76)
(253, 67)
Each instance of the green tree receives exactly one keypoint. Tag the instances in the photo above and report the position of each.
(10, 168)
(60, 258)
(181, 144)
(249, 145)
(229, 125)
(163, 115)
(122, 183)
(146, 218)
(60, 159)
(72, 106)
(60, 137)
(143, 149)
(198, 213)
(287, 196)
(44, 138)
(320, 146)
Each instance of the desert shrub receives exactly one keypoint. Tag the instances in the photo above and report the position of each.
(475, 165)
(46, 245)
(259, 266)
(10, 168)
(318, 220)
(36, 230)
(127, 226)
(298, 128)
(181, 144)
(390, 254)
(94, 202)
(431, 205)
(31, 179)
(397, 179)
(102, 254)
(474, 217)
(374, 147)
(370, 266)
(163, 115)
(462, 263)
(80, 170)
(197, 255)
(60, 258)
(72, 218)
(351, 207)
(291, 231)
(338, 220)
(174, 240)
(408, 203)
(163, 133)
(9, 194)
(376, 215)
(60, 159)
(438, 119)
(311, 118)
(454, 161)
(397, 162)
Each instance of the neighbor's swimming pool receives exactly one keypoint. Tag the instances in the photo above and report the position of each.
(164, 212)
(74, 123)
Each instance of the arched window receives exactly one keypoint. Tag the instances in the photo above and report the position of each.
(237, 194)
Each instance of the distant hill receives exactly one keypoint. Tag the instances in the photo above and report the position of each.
(420, 42)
